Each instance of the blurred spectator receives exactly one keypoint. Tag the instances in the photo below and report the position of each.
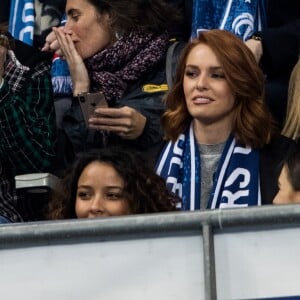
(48, 13)
(27, 126)
(276, 48)
(291, 127)
(30, 21)
(242, 18)
(289, 181)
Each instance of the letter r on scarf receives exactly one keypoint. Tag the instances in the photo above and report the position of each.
(232, 197)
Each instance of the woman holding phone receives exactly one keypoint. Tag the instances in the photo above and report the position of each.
(118, 48)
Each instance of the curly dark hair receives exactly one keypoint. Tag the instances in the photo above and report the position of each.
(145, 191)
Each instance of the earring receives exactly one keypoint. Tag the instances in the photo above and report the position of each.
(118, 35)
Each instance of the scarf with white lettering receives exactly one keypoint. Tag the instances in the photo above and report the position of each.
(236, 181)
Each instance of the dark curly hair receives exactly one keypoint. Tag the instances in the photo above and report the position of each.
(145, 191)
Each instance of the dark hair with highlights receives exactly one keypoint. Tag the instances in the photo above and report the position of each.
(145, 191)
(252, 125)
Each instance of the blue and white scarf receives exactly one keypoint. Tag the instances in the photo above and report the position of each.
(60, 73)
(243, 18)
(21, 20)
(236, 181)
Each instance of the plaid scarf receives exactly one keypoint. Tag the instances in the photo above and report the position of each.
(115, 68)
(236, 181)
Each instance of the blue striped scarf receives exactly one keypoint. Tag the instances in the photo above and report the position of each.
(243, 18)
(236, 182)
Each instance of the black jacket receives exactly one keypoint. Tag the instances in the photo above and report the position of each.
(150, 104)
(280, 42)
(272, 157)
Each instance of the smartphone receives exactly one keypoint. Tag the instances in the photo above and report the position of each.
(89, 102)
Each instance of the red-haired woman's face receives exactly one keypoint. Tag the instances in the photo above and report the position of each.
(208, 96)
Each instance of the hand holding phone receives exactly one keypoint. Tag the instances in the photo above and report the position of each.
(89, 102)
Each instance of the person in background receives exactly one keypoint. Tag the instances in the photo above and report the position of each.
(291, 126)
(119, 48)
(110, 182)
(242, 18)
(222, 148)
(48, 13)
(27, 126)
(289, 181)
(276, 48)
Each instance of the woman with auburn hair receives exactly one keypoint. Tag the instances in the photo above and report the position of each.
(223, 150)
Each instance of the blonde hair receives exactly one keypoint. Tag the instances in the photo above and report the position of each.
(291, 127)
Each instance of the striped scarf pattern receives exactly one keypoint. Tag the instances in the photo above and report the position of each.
(236, 181)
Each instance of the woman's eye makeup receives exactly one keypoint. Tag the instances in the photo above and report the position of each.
(73, 14)
(191, 72)
(114, 193)
(83, 194)
(109, 195)
(114, 196)
(218, 75)
(75, 17)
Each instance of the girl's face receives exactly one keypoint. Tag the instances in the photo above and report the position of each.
(89, 31)
(100, 192)
(208, 96)
(286, 194)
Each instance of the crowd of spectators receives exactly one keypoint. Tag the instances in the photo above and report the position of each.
(212, 136)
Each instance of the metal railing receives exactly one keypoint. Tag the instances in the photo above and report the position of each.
(205, 223)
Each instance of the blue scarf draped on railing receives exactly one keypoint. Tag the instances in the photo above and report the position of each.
(236, 182)
(243, 18)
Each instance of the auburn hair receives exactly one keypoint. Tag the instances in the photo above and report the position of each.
(252, 124)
